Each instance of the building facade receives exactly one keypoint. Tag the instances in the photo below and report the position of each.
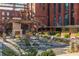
(58, 15)
(10, 13)
(55, 16)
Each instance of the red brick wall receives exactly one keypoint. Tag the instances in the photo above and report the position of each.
(51, 14)
(76, 13)
(10, 15)
(40, 13)
(62, 13)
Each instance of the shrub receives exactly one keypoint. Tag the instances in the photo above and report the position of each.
(48, 53)
(77, 34)
(45, 35)
(52, 33)
(26, 41)
(58, 35)
(44, 53)
(32, 52)
(66, 35)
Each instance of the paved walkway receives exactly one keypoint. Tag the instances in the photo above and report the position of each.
(64, 53)
(69, 54)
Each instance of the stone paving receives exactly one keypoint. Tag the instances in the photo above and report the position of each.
(69, 54)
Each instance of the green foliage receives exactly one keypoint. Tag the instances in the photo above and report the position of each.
(48, 53)
(52, 33)
(62, 40)
(58, 39)
(58, 35)
(77, 34)
(8, 52)
(66, 35)
(26, 41)
(32, 52)
(45, 53)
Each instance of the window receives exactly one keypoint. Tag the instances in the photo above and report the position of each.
(7, 17)
(72, 14)
(7, 13)
(54, 21)
(72, 5)
(3, 13)
(66, 22)
(60, 21)
(66, 6)
(72, 19)
(59, 7)
(3, 18)
(54, 9)
(66, 18)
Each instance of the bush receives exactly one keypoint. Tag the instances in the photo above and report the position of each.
(66, 35)
(48, 53)
(52, 33)
(26, 41)
(77, 34)
(44, 53)
(58, 35)
(32, 52)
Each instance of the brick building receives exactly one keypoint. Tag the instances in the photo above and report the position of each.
(11, 14)
(58, 16)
